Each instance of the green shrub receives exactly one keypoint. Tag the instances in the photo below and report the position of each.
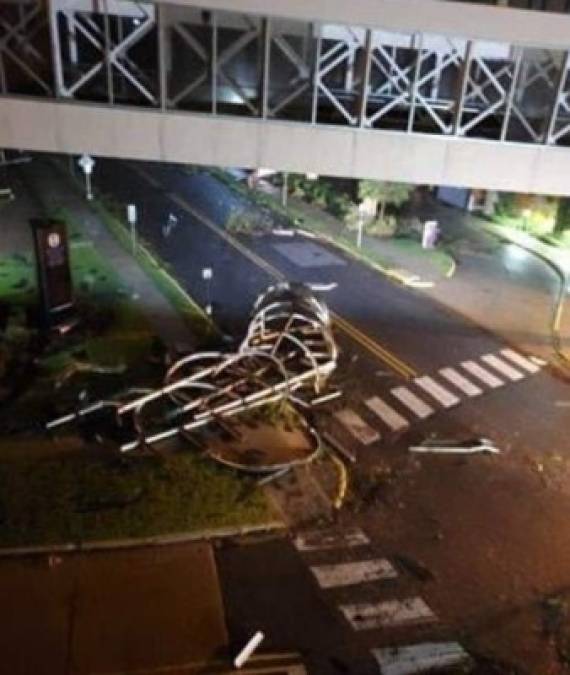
(339, 205)
(410, 228)
(382, 227)
(352, 217)
(247, 222)
(297, 185)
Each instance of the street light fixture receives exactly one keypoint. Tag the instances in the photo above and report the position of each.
(87, 163)
(361, 212)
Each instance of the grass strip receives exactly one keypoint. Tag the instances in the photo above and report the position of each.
(440, 258)
(76, 499)
(201, 324)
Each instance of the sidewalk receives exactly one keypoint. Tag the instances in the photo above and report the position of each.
(401, 258)
(148, 609)
(52, 189)
(502, 281)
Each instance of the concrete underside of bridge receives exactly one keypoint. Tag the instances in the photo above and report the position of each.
(55, 126)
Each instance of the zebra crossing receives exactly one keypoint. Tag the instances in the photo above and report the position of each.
(391, 612)
(424, 396)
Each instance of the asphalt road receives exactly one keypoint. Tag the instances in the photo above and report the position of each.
(490, 529)
(412, 329)
(499, 280)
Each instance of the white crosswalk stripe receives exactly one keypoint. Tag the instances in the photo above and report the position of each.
(368, 616)
(419, 658)
(439, 393)
(387, 414)
(323, 540)
(461, 382)
(351, 573)
(503, 367)
(413, 402)
(482, 374)
(520, 360)
(357, 427)
(362, 616)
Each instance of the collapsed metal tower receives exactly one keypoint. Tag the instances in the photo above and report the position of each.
(288, 354)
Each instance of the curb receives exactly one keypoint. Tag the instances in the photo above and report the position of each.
(392, 274)
(159, 540)
(411, 281)
(452, 268)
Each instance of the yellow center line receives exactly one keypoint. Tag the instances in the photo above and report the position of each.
(375, 348)
(364, 340)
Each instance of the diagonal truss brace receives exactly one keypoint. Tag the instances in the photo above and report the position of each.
(114, 55)
(16, 44)
(213, 63)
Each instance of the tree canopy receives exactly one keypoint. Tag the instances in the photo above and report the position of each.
(385, 192)
(563, 215)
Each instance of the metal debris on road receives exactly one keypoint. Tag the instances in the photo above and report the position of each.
(467, 447)
(241, 659)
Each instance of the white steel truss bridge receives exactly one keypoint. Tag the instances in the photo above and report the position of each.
(418, 90)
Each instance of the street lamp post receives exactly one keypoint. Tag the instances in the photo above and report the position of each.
(87, 163)
(132, 220)
(207, 275)
(361, 210)
(284, 189)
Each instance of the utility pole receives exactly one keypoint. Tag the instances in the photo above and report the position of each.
(284, 189)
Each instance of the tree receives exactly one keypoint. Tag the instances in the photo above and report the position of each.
(384, 193)
(562, 216)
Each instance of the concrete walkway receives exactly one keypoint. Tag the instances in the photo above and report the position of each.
(393, 254)
(54, 190)
(142, 610)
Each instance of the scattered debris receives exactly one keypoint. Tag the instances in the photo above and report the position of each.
(273, 476)
(342, 482)
(77, 366)
(248, 650)
(287, 356)
(468, 447)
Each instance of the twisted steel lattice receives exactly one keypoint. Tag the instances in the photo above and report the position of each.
(288, 353)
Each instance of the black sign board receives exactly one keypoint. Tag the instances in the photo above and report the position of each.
(54, 273)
